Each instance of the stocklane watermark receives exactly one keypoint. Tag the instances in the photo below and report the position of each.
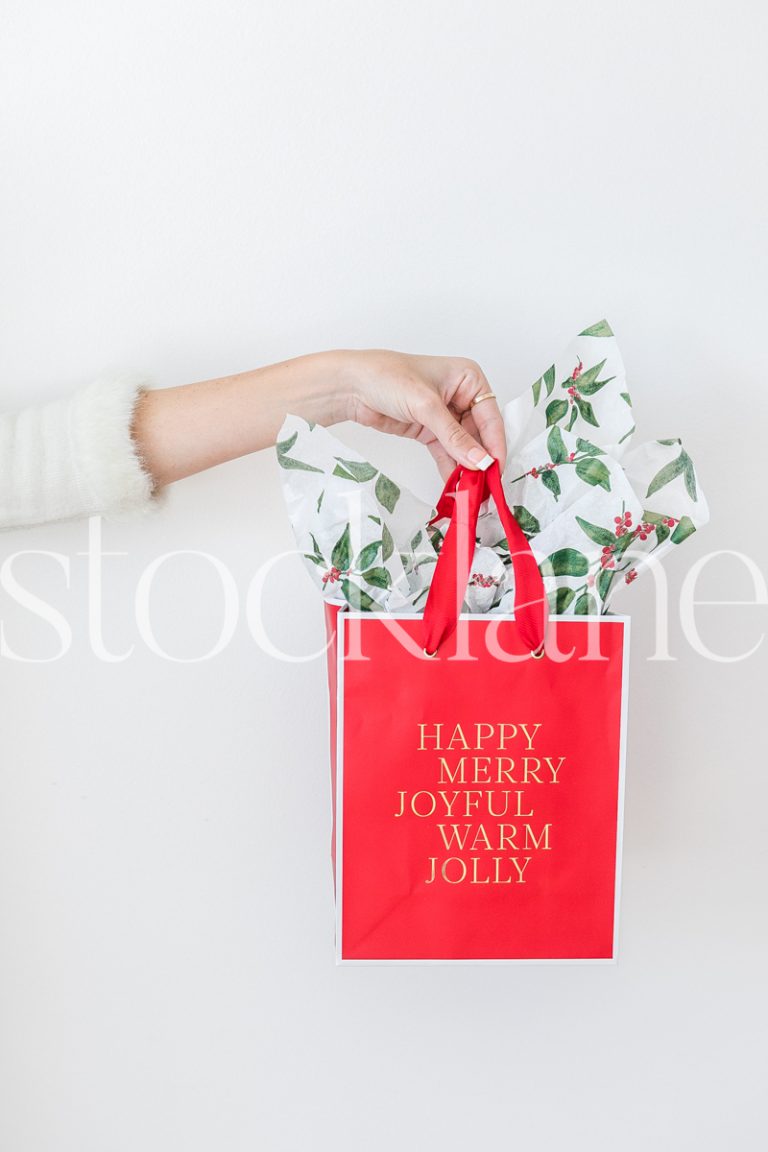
(246, 608)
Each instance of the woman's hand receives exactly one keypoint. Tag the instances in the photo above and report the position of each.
(180, 431)
(427, 398)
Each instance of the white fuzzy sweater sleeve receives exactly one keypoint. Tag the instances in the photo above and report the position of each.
(74, 457)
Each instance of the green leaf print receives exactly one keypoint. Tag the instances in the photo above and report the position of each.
(586, 605)
(316, 557)
(320, 500)
(549, 379)
(357, 599)
(586, 412)
(378, 577)
(387, 543)
(556, 409)
(588, 448)
(536, 388)
(284, 461)
(667, 474)
(435, 537)
(602, 328)
(298, 465)
(622, 543)
(556, 446)
(594, 472)
(565, 562)
(358, 470)
(626, 398)
(341, 551)
(590, 389)
(526, 520)
(689, 476)
(588, 382)
(559, 600)
(597, 534)
(551, 480)
(368, 554)
(660, 527)
(286, 445)
(588, 376)
(387, 492)
(604, 581)
(684, 529)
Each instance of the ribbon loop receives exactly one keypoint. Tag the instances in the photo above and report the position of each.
(461, 500)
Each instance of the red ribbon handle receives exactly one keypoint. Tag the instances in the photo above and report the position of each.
(461, 499)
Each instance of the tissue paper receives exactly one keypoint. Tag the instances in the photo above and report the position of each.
(595, 510)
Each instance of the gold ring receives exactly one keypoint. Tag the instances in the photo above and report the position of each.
(539, 654)
(431, 655)
(483, 396)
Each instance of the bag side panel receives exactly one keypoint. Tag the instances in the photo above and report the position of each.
(331, 630)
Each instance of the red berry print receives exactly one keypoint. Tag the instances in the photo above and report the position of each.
(479, 580)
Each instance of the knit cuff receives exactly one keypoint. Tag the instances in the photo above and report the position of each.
(111, 476)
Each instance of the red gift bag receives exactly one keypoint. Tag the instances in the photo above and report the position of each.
(478, 768)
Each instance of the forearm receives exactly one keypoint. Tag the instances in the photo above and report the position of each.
(110, 447)
(183, 430)
(180, 431)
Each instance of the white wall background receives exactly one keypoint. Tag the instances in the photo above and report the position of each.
(198, 188)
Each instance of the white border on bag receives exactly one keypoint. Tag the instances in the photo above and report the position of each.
(341, 618)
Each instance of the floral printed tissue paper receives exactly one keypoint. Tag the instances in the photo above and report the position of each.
(594, 508)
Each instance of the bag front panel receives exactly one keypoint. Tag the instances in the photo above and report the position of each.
(478, 801)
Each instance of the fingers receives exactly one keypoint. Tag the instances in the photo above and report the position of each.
(445, 462)
(455, 440)
(483, 419)
(487, 419)
(413, 431)
(369, 418)
(431, 398)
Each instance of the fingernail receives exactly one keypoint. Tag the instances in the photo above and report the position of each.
(480, 459)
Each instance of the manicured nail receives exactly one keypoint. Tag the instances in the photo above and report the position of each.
(480, 459)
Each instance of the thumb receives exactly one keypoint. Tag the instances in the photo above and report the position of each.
(456, 441)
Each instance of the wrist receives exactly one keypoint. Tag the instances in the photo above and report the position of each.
(334, 387)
